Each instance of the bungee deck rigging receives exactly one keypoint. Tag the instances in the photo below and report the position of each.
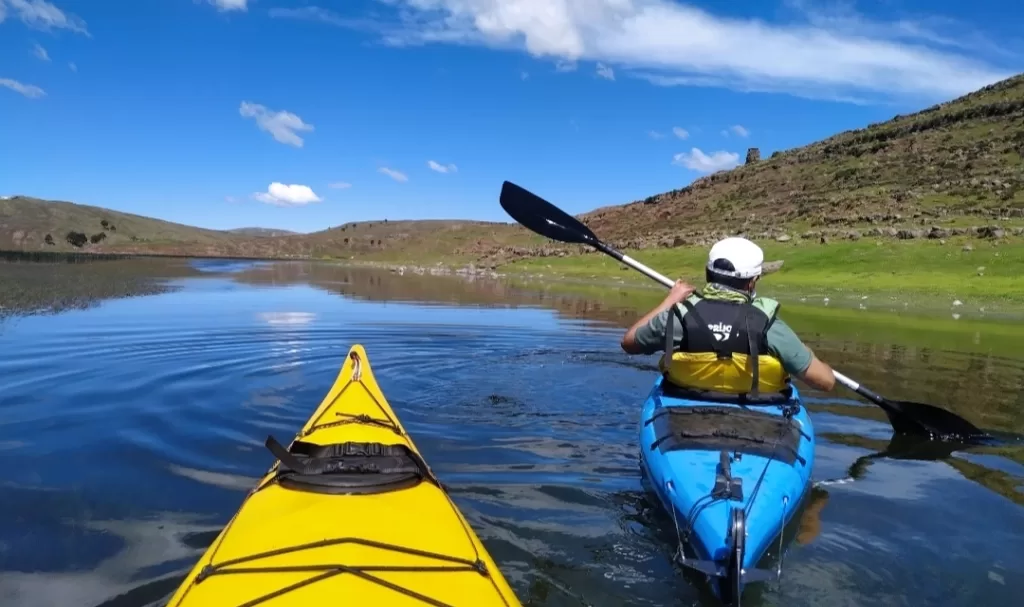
(335, 519)
(325, 571)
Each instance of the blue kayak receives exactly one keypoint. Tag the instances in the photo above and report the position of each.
(730, 477)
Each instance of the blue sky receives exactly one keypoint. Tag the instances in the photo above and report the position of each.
(303, 115)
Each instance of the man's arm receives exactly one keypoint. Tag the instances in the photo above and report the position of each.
(799, 360)
(680, 291)
(818, 375)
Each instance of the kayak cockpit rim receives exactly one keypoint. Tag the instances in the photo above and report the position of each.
(348, 468)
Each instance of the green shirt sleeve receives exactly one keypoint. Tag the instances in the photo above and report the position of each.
(651, 336)
(787, 347)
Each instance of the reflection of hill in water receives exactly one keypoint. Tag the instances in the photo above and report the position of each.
(378, 285)
(979, 385)
(79, 283)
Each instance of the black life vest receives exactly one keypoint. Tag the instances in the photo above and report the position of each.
(724, 355)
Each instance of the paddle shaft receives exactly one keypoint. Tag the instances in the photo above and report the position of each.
(636, 265)
(859, 389)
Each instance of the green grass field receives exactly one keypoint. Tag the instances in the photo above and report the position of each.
(911, 271)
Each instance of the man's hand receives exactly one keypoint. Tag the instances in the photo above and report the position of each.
(680, 291)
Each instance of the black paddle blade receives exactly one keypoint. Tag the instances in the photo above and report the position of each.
(917, 418)
(542, 217)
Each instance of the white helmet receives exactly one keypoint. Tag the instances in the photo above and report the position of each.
(744, 256)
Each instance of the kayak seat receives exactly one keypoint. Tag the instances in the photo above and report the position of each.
(726, 428)
(347, 468)
(762, 399)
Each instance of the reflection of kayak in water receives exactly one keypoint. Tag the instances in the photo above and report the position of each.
(898, 447)
(349, 514)
(906, 447)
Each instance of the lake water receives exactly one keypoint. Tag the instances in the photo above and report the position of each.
(131, 428)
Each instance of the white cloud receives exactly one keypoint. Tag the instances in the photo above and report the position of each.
(524, 75)
(287, 195)
(315, 13)
(392, 173)
(442, 168)
(565, 66)
(230, 199)
(72, 66)
(680, 132)
(40, 52)
(655, 135)
(739, 130)
(29, 90)
(671, 43)
(230, 5)
(605, 72)
(696, 160)
(41, 15)
(842, 16)
(281, 125)
(340, 185)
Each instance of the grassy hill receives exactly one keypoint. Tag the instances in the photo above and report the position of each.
(32, 224)
(417, 241)
(25, 223)
(953, 171)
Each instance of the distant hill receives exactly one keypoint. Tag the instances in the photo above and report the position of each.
(954, 168)
(261, 232)
(415, 241)
(26, 222)
(33, 224)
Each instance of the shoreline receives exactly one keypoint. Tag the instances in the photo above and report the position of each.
(959, 278)
(644, 292)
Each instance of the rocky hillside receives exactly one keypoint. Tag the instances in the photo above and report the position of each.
(940, 171)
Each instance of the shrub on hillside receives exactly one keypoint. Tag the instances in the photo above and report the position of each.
(76, 239)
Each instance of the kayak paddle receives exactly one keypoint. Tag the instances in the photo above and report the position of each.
(546, 219)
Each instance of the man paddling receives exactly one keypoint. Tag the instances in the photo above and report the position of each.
(719, 331)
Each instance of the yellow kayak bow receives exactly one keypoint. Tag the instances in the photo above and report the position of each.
(349, 514)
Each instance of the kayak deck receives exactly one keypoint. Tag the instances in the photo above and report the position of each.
(366, 522)
(730, 477)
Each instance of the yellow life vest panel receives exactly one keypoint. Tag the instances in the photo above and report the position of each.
(722, 340)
